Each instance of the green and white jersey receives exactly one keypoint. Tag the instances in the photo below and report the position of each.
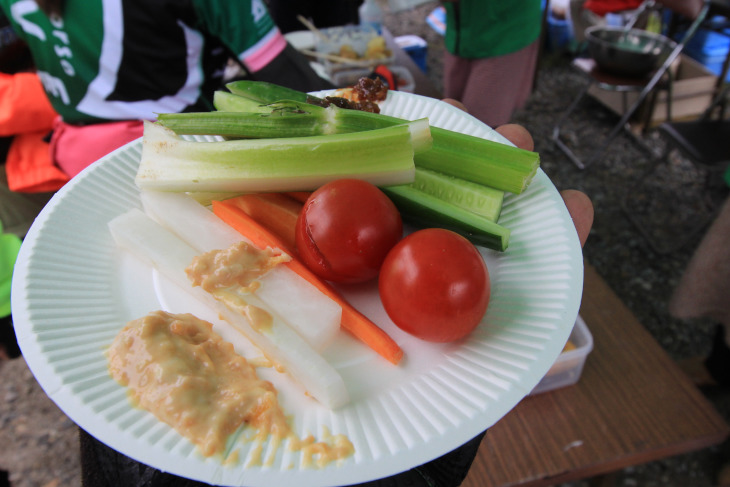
(478, 29)
(131, 59)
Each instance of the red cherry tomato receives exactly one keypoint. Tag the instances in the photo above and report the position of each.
(435, 285)
(346, 229)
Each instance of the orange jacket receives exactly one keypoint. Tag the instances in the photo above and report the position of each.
(27, 116)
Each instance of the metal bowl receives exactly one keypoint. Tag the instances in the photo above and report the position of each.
(633, 53)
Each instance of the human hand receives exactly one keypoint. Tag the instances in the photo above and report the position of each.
(578, 203)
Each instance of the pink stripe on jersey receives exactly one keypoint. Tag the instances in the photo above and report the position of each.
(264, 51)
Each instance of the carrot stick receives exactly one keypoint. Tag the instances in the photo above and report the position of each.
(352, 320)
(277, 212)
(300, 196)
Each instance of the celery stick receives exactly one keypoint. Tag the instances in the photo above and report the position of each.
(481, 161)
(467, 157)
(479, 199)
(423, 209)
(475, 159)
(382, 157)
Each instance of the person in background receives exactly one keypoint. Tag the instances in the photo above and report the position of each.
(28, 178)
(703, 292)
(322, 13)
(106, 65)
(26, 118)
(491, 55)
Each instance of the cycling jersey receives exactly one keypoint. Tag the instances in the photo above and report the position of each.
(131, 59)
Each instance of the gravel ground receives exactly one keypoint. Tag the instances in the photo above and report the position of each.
(39, 445)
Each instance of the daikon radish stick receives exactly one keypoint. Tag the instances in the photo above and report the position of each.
(305, 308)
(138, 234)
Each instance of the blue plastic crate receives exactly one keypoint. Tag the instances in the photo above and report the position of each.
(710, 47)
(710, 43)
(416, 47)
(559, 32)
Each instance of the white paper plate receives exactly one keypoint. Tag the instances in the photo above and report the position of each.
(73, 291)
(301, 39)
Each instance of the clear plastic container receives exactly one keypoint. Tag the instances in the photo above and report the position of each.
(568, 367)
(371, 15)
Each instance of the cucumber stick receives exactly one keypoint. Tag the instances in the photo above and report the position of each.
(224, 101)
(423, 209)
(383, 157)
(482, 200)
(265, 92)
(280, 119)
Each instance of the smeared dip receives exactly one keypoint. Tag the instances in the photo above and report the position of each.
(177, 368)
(240, 265)
(230, 273)
(185, 374)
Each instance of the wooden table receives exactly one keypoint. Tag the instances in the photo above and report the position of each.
(632, 405)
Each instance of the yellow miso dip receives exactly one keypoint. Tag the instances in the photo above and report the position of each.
(177, 368)
(229, 274)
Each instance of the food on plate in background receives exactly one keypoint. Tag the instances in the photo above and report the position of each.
(346, 51)
(375, 49)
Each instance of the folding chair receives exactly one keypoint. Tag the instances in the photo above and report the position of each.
(693, 10)
(705, 143)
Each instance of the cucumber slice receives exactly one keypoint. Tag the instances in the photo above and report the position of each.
(423, 209)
